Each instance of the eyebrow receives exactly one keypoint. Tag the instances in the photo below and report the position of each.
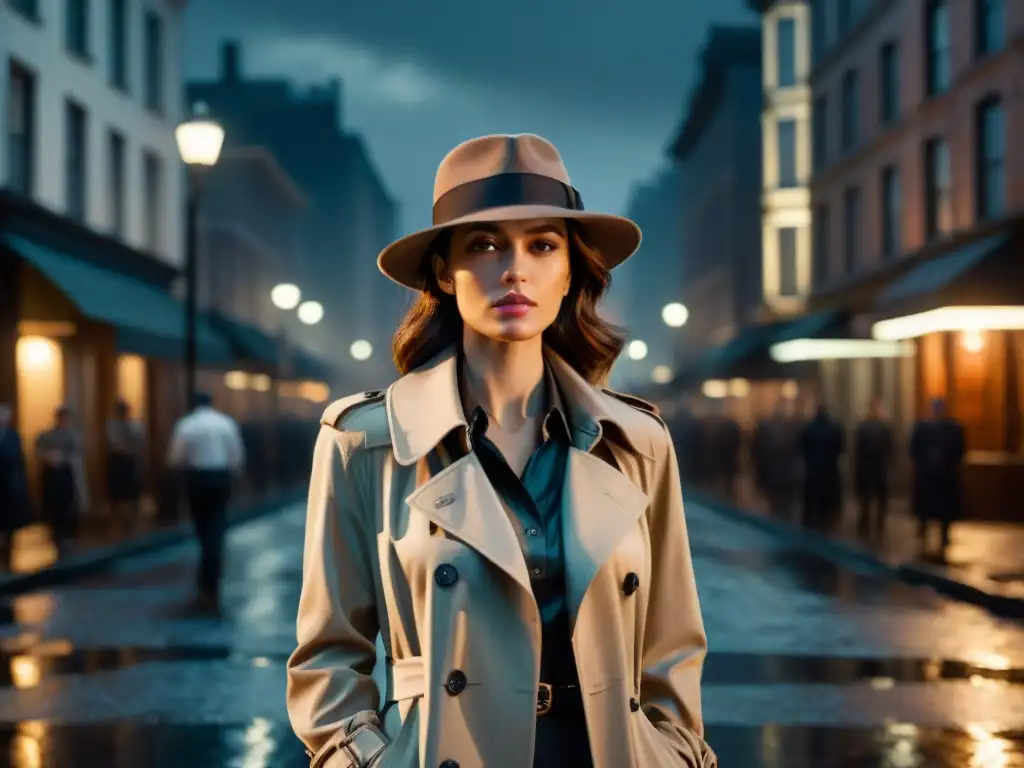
(493, 229)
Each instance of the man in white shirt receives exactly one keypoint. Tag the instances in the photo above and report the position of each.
(206, 446)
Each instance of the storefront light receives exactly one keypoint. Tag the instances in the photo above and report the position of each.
(260, 382)
(799, 350)
(739, 387)
(946, 319)
(972, 341)
(236, 380)
(715, 389)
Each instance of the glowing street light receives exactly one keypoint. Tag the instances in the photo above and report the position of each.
(286, 296)
(662, 374)
(361, 350)
(675, 315)
(200, 141)
(637, 350)
(311, 312)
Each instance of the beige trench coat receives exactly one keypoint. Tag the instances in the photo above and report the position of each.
(426, 554)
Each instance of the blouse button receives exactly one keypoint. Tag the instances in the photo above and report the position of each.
(631, 584)
(634, 705)
(445, 575)
(450, 764)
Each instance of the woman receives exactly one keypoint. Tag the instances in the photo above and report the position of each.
(514, 532)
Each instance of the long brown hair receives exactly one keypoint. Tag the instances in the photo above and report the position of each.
(579, 335)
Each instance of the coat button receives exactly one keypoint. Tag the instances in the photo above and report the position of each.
(446, 575)
(456, 683)
(634, 705)
(631, 584)
(450, 764)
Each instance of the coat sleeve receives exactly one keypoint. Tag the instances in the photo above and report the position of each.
(674, 640)
(331, 695)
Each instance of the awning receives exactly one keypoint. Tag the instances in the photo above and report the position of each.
(963, 277)
(254, 344)
(822, 325)
(149, 321)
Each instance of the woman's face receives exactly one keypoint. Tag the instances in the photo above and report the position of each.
(508, 278)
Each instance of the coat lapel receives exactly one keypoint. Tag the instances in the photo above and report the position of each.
(462, 501)
(600, 505)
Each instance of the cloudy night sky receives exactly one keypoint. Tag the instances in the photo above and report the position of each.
(605, 81)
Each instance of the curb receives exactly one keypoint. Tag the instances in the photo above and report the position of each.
(102, 558)
(916, 574)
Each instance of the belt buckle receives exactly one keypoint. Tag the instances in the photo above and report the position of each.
(545, 698)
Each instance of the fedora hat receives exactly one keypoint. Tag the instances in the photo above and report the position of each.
(506, 177)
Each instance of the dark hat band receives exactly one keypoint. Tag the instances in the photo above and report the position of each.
(502, 190)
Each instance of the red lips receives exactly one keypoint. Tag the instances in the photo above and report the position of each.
(513, 298)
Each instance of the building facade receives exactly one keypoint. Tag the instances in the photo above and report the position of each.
(918, 199)
(91, 95)
(717, 150)
(91, 217)
(786, 137)
(350, 217)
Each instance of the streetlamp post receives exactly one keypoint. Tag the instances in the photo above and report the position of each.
(199, 143)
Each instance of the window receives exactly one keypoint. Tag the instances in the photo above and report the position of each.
(76, 26)
(21, 135)
(990, 154)
(989, 26)
(891, 211)
(27, 8)
(851, 114)
(787, 152)
(785, 41)
(119, 44)
(938, 219)
(937, 68)
(787, 262)
(75, 149)
(889, 87)
(851, 228)
(116, 149)
(819, 30)
(821, 239)
(152, 169)
(154, 62)
(819, 127)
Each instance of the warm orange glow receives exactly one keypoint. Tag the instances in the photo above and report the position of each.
(40, 367)
(972, 341)
(950, 319)
(131, 384)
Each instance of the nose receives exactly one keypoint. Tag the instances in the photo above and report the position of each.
(517, 258)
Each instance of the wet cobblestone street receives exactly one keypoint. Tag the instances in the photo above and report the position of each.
(810, 664)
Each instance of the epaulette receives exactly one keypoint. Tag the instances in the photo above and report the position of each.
(633, 401)
(363, 412)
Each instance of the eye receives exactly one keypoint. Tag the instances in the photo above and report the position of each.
(545, 246)
(482, 245)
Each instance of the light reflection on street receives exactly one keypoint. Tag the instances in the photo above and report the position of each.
(26, 749)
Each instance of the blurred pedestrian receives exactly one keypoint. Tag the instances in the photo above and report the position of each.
(206, 447)
(872, 459)
(125, 448)
(776, 456)
(937, 450)
(821, 445)
(15, 502)
(62, 478)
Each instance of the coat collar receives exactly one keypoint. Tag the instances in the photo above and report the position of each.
(424, 406)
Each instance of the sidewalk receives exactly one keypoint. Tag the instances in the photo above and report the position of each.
(33, 561)
(983, 565)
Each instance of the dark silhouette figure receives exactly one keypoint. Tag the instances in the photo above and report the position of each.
(937, 449)
(125, 448)
(62, 481)
(872, 459)
(821, 445)
(15, 503)
(775, 452)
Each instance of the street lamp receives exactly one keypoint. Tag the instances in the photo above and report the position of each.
(311, 312)
(286, 296)
(361, 349)
(637, 350)
(675, 315)
(199, 143)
